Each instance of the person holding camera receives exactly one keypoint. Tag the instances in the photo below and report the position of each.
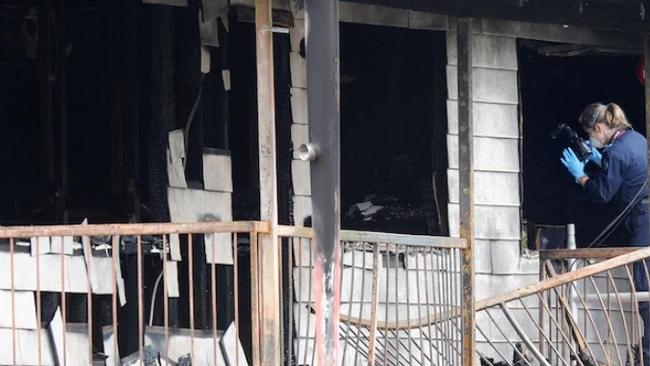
(622, 178)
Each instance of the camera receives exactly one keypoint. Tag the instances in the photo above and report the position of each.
(569, 138)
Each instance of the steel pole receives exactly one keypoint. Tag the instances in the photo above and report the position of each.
(322, 41)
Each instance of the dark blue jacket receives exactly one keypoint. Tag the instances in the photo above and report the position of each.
(624, 171)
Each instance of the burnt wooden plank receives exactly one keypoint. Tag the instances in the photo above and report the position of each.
(466, 183)
(584, 253)
(46, 90)
(269, 343)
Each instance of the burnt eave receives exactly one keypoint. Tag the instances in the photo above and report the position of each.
(622, 15)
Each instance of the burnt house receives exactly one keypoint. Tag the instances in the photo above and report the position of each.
(178, 134)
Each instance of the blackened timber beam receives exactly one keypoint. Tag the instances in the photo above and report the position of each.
(117, 102)
(269, 255)
(46, 83)
(133, 91)
(322, 41)
(466, 181)
(162, 114)
(626, 17)
(62, 106)
(281, 18)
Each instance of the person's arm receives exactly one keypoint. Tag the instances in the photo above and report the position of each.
(602, 187)
(571, 162)
(583, 180)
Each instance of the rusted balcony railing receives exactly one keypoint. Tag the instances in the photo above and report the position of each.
(131, 293)
(584, 311)
(64, 300)
(400, 299)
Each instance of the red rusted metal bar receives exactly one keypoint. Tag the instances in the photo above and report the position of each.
(13, 301)
(64, 308)
(190, 274)
(213, 297)
(133, 229)
(140, 300)
(374, 305)
(38, 302)
(115, 254)
(89, 297)
(236, 293)
(165, 296)
(255, 300)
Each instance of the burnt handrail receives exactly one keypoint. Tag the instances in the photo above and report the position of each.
(134, 229)
(565, 278)
(379, 237)
(393, 243)
(584, 253)
(48, 266)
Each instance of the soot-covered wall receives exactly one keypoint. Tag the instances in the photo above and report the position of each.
(391, 110)
(554, 90)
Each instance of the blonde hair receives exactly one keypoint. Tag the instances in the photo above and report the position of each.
(610, 114)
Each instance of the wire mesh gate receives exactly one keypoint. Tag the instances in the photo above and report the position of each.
(400, 299)
(67, 302)
(584, 311)
(400, 305)
(64, 300)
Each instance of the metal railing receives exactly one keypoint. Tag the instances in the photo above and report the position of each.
(68, 297)
(191, 294)
(584, 311)
(400, 298)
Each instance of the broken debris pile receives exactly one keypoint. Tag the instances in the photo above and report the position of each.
(400, 199)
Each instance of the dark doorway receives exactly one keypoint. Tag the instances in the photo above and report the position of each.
(556, 83)
(393, 126)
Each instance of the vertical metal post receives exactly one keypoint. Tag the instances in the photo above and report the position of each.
(375, 304)
(269, 260)
(542, 314)
(466, 179)
(322, 41)
(570, 293)
(571, 245)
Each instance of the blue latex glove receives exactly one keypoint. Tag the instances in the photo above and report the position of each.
(573, 164)
(595, 157)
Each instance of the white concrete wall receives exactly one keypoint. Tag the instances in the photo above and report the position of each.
(498, 262)
(496, 162)
(300, 128)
